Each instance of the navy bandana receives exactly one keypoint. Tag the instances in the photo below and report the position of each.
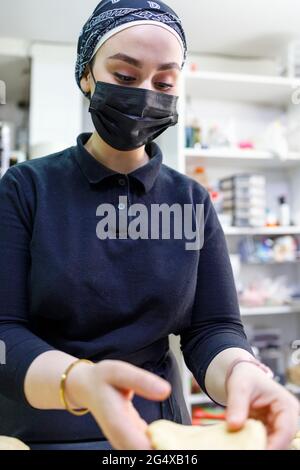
(110, 14)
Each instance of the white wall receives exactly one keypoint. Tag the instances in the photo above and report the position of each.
(55, 100)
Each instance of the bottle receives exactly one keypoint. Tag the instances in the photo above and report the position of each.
(189, 128)
(197, 134)
(284, 215)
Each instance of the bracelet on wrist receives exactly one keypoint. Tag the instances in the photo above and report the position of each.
(62, 388)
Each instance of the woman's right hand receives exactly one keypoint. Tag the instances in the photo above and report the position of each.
(107, 389)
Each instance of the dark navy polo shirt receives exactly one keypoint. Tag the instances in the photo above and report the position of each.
(64, 288)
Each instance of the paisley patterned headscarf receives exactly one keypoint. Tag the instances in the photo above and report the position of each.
(112, 16)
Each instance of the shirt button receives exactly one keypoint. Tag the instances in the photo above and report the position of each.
(121, 206)
(122, 182)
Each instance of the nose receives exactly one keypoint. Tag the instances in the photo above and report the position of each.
(147, 85)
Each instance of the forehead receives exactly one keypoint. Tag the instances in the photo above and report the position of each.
(139, 40)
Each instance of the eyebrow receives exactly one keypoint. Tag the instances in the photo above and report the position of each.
(139, 64)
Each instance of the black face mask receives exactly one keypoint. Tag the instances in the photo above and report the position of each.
(128, 118)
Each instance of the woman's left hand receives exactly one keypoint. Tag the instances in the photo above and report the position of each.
(251, 394)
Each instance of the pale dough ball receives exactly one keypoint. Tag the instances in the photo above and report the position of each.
(166, 435)
(11, 443)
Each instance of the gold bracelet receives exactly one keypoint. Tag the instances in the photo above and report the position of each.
(62, 389)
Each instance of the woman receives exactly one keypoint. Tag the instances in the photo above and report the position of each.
(71, 290)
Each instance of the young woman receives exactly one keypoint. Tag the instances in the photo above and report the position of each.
(69, 291)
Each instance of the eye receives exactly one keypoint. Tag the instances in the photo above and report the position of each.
(164, 86)
(123, 78)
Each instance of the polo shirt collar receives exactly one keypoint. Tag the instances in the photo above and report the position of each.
(95, 172)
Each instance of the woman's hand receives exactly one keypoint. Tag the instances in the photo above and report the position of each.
(107, 389)
(252, 394)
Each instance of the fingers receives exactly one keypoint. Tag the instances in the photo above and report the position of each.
(121, 423)
(238, 404)
(126, 376)
(284, 428)
(112, 407)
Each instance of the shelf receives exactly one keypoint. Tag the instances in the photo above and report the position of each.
(293, 388)
(270, 90)
(202, 399)
(247, 158)
(268, 231)
(270, 310)
(271, 263)
(199, 399)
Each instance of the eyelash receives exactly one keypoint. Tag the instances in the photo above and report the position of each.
(125, 78)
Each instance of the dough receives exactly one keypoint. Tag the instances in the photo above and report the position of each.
(295, 444)
(10, 443)
(166, 435)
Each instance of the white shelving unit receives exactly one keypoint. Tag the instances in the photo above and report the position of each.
(242, 158)
(265, 231)
(273, 96)
(241, 87)
(270, 310)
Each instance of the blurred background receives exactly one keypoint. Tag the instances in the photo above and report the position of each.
(238, 135)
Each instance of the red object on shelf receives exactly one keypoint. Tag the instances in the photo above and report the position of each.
(200, 415)
(246, 145)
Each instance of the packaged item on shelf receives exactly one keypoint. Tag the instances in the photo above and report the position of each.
(293, 375)
(293, 369)
(268, 250)
(269, 343)
(216, 137)
(275, 139)
(200, 176)
(193, 130)
(193, 135)
(197, 136)
(291, 59)
(226, 220)
(246, 145)
(267, 292)
(285, 249)
(189, 131)
(189, 137)
(202, 416)
(254, 251)
(271, 219)
(284, 215)
(244, 198)
(244, 182)
(217, 200)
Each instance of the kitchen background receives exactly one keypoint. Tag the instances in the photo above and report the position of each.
(238, 135)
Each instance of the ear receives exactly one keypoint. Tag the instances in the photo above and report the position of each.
(86, 81)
